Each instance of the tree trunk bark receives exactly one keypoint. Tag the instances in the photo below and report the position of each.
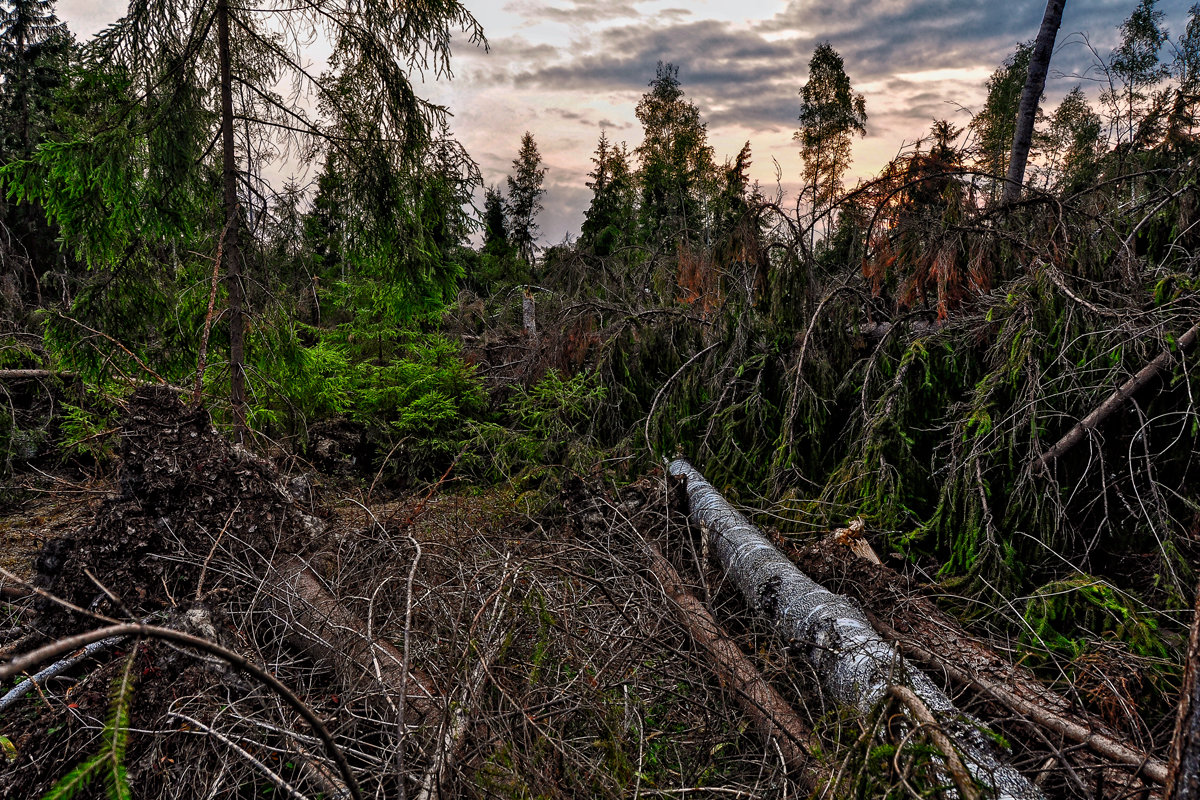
(324, 628)
(1183, 780)
(855, 665)
(1035, 83)
(233, 275)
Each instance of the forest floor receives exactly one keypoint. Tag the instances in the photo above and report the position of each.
(537, 655)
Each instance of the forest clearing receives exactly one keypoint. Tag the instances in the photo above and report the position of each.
(350, 488)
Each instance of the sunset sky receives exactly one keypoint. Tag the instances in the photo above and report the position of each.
(566, 70)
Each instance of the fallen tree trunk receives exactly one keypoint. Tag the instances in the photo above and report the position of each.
(1118, 398)
(776, 721)
(927, 635)
(1183, 782)
(854, 664)
(328, 632)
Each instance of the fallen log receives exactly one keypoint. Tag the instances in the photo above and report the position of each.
(927, 635)
(775, 720)
(1183, 782)
(854, 664)
(1118, 398)
(331, 634)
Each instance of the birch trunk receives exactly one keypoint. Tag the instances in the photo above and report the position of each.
(1035, 84)
(855, 665)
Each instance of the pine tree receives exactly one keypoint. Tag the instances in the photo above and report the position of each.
(524, 198)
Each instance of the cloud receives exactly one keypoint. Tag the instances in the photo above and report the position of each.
(576, 12)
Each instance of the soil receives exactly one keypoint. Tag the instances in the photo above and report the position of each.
(182, 487)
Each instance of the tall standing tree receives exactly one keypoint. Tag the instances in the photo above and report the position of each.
(831, 113)
(676, 171)
(495, 223)
(610, 216)
(524, 198)
(222, 62)
(1182, 118)
(1072, 143)
(1134, 71)
(1031, 95)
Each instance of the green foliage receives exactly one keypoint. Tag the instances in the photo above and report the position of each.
(550, 423)
(610, 217)
(996, 123)
(85, 428)
(675, 162)
(524, 198)
(830, 115)
(1059, 612)
(109, 764)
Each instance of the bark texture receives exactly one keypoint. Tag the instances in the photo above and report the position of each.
(1035, 83)
(233, 274)
(332, 635)
(928, 636)
(855, 665)
(776, 721)
(1183, 781)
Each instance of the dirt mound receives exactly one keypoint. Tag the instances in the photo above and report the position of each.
(183, 486)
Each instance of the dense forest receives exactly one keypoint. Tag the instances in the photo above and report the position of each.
(356, 488)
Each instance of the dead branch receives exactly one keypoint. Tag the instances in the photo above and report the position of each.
(34, 374)
(855, 665)
(1117, 399)
(954, 764)
(70, 643)
(1183, 778)
(258, 766)
(54, 670)
(330, 633)
(454, 729)
(929, 636)
(776, 721)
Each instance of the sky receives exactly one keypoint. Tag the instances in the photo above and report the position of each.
(565, 70)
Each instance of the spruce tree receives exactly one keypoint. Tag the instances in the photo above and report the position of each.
(524, 198)
(221, 63)
(35, 50)
(676, 171)
(610, 215)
